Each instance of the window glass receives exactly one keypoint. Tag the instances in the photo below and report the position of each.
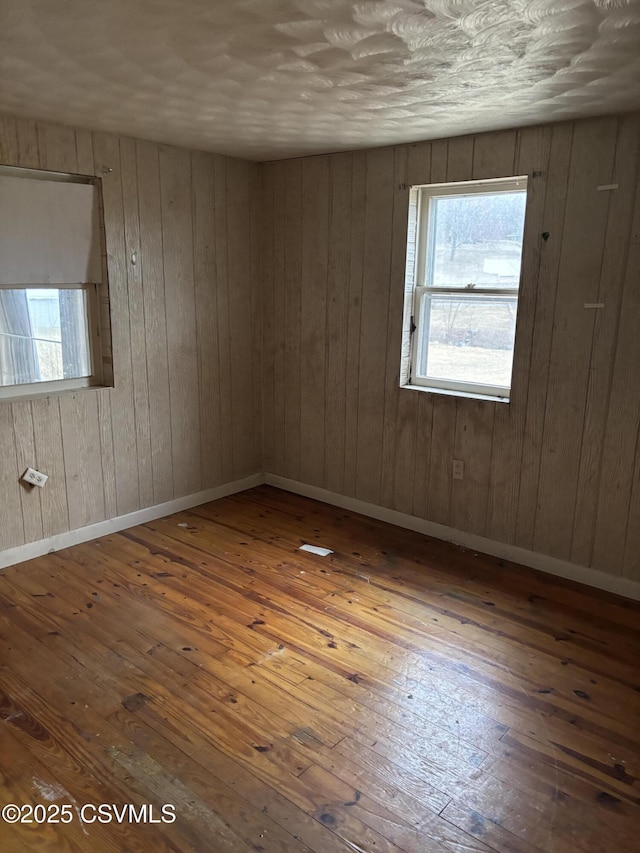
(469, 339)
(43, 335)
(464, 258)
(476, 240)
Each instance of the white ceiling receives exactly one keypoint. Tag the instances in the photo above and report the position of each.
(266, 79)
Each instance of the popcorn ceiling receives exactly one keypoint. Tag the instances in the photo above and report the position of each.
(266, 79)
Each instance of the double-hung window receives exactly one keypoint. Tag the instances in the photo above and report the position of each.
(50, 275)
(463, 275)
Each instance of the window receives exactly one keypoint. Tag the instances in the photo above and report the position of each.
(464, 254)
(50, 272)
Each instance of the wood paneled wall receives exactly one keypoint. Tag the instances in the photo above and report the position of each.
(184, 414)
(558, 469)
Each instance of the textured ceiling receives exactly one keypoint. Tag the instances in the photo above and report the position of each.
(277, 78)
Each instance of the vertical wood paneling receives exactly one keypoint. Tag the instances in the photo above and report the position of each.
(106, 152)
(223, 314)
(267, 290)
(578, 283)
(203, 175)
(443, 433)
(531, 154)
(616, 526)
(546, 286)
(155, 316)
(12, 528)
(356, 284)
(136, 319)
(28, 152)
(111, 451)
(493, 155)
(472, 445)
(337, 317)
(49, 458)
(559, 464)
(57, 146)
(80, 441)
(399, 426)
(257, 348)
(373, 323)
(9, 151)
(315, 237)
(292, 314)
(278, 300)
(30, 496)
(240, 190)
(631, 557)
(177, 252)
(84, 152)
(107, 456)
(616, 244)
(460, 159)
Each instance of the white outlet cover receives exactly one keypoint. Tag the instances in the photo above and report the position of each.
(458, 469)
(35, 478)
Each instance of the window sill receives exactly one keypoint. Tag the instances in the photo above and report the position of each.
(447, 392)
(50, 392)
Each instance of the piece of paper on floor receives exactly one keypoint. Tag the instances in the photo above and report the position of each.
(315, 549)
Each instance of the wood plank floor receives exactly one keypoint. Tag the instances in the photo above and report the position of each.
(399, 695)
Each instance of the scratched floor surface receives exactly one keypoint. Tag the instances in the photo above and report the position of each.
(400, 694)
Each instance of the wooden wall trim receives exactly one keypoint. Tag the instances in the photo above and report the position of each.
(512, 553)
(21, 553)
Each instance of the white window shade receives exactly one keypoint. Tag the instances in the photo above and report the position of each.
(49, 232)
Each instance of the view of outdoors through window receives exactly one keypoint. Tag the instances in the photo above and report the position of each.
(468, 299)
(32, 344)
(470, 339)
(477, 240)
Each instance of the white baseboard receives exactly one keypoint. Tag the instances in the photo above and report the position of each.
(122, 522)
(542, 562)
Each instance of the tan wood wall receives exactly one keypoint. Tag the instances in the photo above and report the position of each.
(184, 414)
(557, 470)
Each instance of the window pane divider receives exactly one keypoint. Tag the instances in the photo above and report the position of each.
(471, 291)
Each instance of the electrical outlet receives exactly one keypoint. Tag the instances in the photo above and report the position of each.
(458, 469)
(35, 478)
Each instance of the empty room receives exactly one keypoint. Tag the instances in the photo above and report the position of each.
(319, 426)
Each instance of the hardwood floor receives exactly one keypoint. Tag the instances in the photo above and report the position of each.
(400, 694)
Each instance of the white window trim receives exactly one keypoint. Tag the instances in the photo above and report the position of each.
(416, 289)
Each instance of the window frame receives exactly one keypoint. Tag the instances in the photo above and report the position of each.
(93, 291)
(420, 293)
